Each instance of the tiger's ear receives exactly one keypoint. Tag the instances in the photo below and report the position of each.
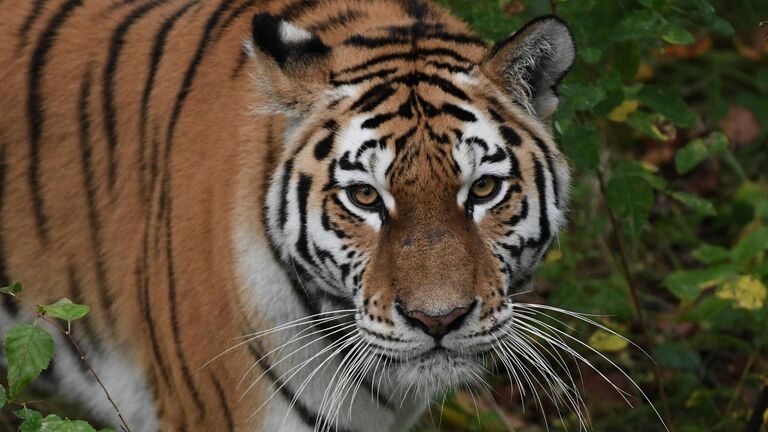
(292, 65)
(529, 64)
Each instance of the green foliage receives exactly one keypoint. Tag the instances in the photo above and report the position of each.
(65, 310)
(33, 421)
(664, 118)
(29, 350)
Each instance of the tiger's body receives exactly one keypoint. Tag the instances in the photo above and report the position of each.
(179, 166)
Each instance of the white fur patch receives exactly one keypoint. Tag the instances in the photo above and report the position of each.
(289, 33)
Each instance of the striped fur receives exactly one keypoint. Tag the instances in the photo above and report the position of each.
(183, 167)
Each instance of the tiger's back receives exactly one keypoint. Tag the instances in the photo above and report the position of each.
(134, 174)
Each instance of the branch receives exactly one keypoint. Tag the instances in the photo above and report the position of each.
(647, 340)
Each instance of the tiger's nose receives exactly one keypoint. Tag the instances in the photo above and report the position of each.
(436, 326)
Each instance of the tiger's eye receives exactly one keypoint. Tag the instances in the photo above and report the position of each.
(364, 195)
(484, 187)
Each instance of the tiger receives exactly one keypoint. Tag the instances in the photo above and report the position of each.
(285, 215)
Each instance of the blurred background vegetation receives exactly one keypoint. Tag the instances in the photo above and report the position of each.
(665, 121)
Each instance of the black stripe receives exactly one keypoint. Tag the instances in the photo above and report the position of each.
(381, 73)
(458, 112)
(374, 97)
(142, 279)
(325, 145)
(36, 111)
(417, 54)
(510, 136)
(338, 20)
(233, 16)
(9, 304)
(377, 120)
(407, 39)
(186, 85)
(173, 301)
(459, 38)
(499, 155)
(108, 89)
(302, 243)
(550, 167)
(155, 56)
(224, 404)
(295, 9)
(544, 230)
(242, 60)
(284, 183)
(92, 205)
(29, 21)
(450, 67)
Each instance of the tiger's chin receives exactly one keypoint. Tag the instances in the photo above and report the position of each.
(439, 370)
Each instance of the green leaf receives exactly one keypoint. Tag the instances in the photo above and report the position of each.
(710, 254)
(2, 396)
(631, 198)
(590, 55)
(750, 246)
(28, 349)
(580, 144)
(630, 168)
(697, 150)
(32, 420)
(13, 288)
(721, 26)
(646, 123)
(676, 356)
(55, 424)
(700, 205)
(668, 104)
(582, 97)
(65, 310)
(678, 36)
(688, 157)
(688, 285)
(639, 24)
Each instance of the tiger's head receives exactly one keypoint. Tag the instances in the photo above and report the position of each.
(418, 183)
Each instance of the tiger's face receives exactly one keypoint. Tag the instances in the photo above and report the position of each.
(418, 185)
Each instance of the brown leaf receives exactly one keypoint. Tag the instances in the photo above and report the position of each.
(740, 125)
(513, 7)
(685, 52)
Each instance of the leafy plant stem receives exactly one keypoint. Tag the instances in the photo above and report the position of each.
(68, 334)
(648, 341)
(742, 380)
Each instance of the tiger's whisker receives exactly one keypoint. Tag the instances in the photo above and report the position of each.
(336, 329)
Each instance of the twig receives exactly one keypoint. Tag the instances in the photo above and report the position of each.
(761, 405)
(648, 341)
(75, 344)
(742, 380)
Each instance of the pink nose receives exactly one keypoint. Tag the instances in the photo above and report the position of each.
(435, 325)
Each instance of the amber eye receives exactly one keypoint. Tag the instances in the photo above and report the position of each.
(364, 195)
(484, 188)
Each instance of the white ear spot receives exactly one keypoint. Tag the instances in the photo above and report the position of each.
(289, 33)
